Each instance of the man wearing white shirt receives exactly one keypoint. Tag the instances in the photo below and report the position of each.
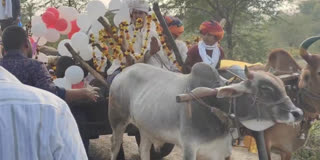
(35, 124)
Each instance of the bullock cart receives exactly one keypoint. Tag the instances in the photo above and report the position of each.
(97, 120)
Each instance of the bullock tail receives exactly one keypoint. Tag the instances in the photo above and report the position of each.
(305, 45)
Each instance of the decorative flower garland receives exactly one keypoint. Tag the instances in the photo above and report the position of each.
(163, 42)
(105, 52)
(107, 38)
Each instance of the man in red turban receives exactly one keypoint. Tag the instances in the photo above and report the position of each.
(208, 49)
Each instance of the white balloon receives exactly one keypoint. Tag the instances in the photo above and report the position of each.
(114, 5)
(63, 51)
(84, 22)
(36, 20)
(96, 27)
(106, 3)
(121, 16)
(42, 58)
(98, 52)
(42, 41)
(68, 13)
(95, 9)
(118, 18)
(74, 74)
(39, 29)
(80, 40)
(86, 53)
(52, 35)
(67, 31)
(62, 82)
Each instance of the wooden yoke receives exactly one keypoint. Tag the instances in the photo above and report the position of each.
(76, 57)
(166, 31)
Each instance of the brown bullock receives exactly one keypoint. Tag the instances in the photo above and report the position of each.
(285, 138)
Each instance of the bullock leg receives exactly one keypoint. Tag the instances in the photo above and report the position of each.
(285, 155)
(189, 153)
(116, 141)
(119, 120)
(145, 147)
(268, 147)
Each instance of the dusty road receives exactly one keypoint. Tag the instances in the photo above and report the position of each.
(100, 150)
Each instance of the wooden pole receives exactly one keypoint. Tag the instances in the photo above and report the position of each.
(76, 56)
(262, 150)
(107, 27)
(166, 31)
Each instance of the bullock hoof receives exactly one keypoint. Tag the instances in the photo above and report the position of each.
(154, 155)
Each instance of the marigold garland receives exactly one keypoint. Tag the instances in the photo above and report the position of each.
(107, 38)
(163, 42)
(105, 53)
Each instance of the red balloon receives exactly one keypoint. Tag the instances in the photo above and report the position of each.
(50, 26)
(61, 24)
(54, 11)
(49, 18)
(74, 28)
(71, 34)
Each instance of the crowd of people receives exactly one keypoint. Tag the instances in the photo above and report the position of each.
(35, 119)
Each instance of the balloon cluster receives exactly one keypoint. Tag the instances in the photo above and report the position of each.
(54, 22)
(87, 23)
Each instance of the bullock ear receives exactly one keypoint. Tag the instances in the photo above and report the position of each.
(234, 90)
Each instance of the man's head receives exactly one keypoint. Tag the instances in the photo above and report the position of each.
(175, 26)
(138, 9)
(211, 32)
(16, 38)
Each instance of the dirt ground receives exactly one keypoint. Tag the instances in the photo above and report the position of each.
(100, 150)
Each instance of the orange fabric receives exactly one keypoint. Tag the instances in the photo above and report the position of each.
(175, 25)
(213, 28)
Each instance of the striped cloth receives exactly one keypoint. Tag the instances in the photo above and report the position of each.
(35, 124)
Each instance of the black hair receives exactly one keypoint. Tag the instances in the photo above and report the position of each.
(63, 63)
(14, 37)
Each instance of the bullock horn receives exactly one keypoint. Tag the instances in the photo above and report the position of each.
(304, 47)
(196, 93)
(249, 75)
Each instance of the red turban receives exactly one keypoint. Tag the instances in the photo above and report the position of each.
(175, 25)
(213, 28)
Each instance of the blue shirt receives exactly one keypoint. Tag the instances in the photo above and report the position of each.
(30, 72)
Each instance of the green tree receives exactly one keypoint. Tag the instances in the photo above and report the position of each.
(289, 31)
(236, 12)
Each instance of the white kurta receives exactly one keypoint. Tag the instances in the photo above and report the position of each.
(140, 39)
(35, 124)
